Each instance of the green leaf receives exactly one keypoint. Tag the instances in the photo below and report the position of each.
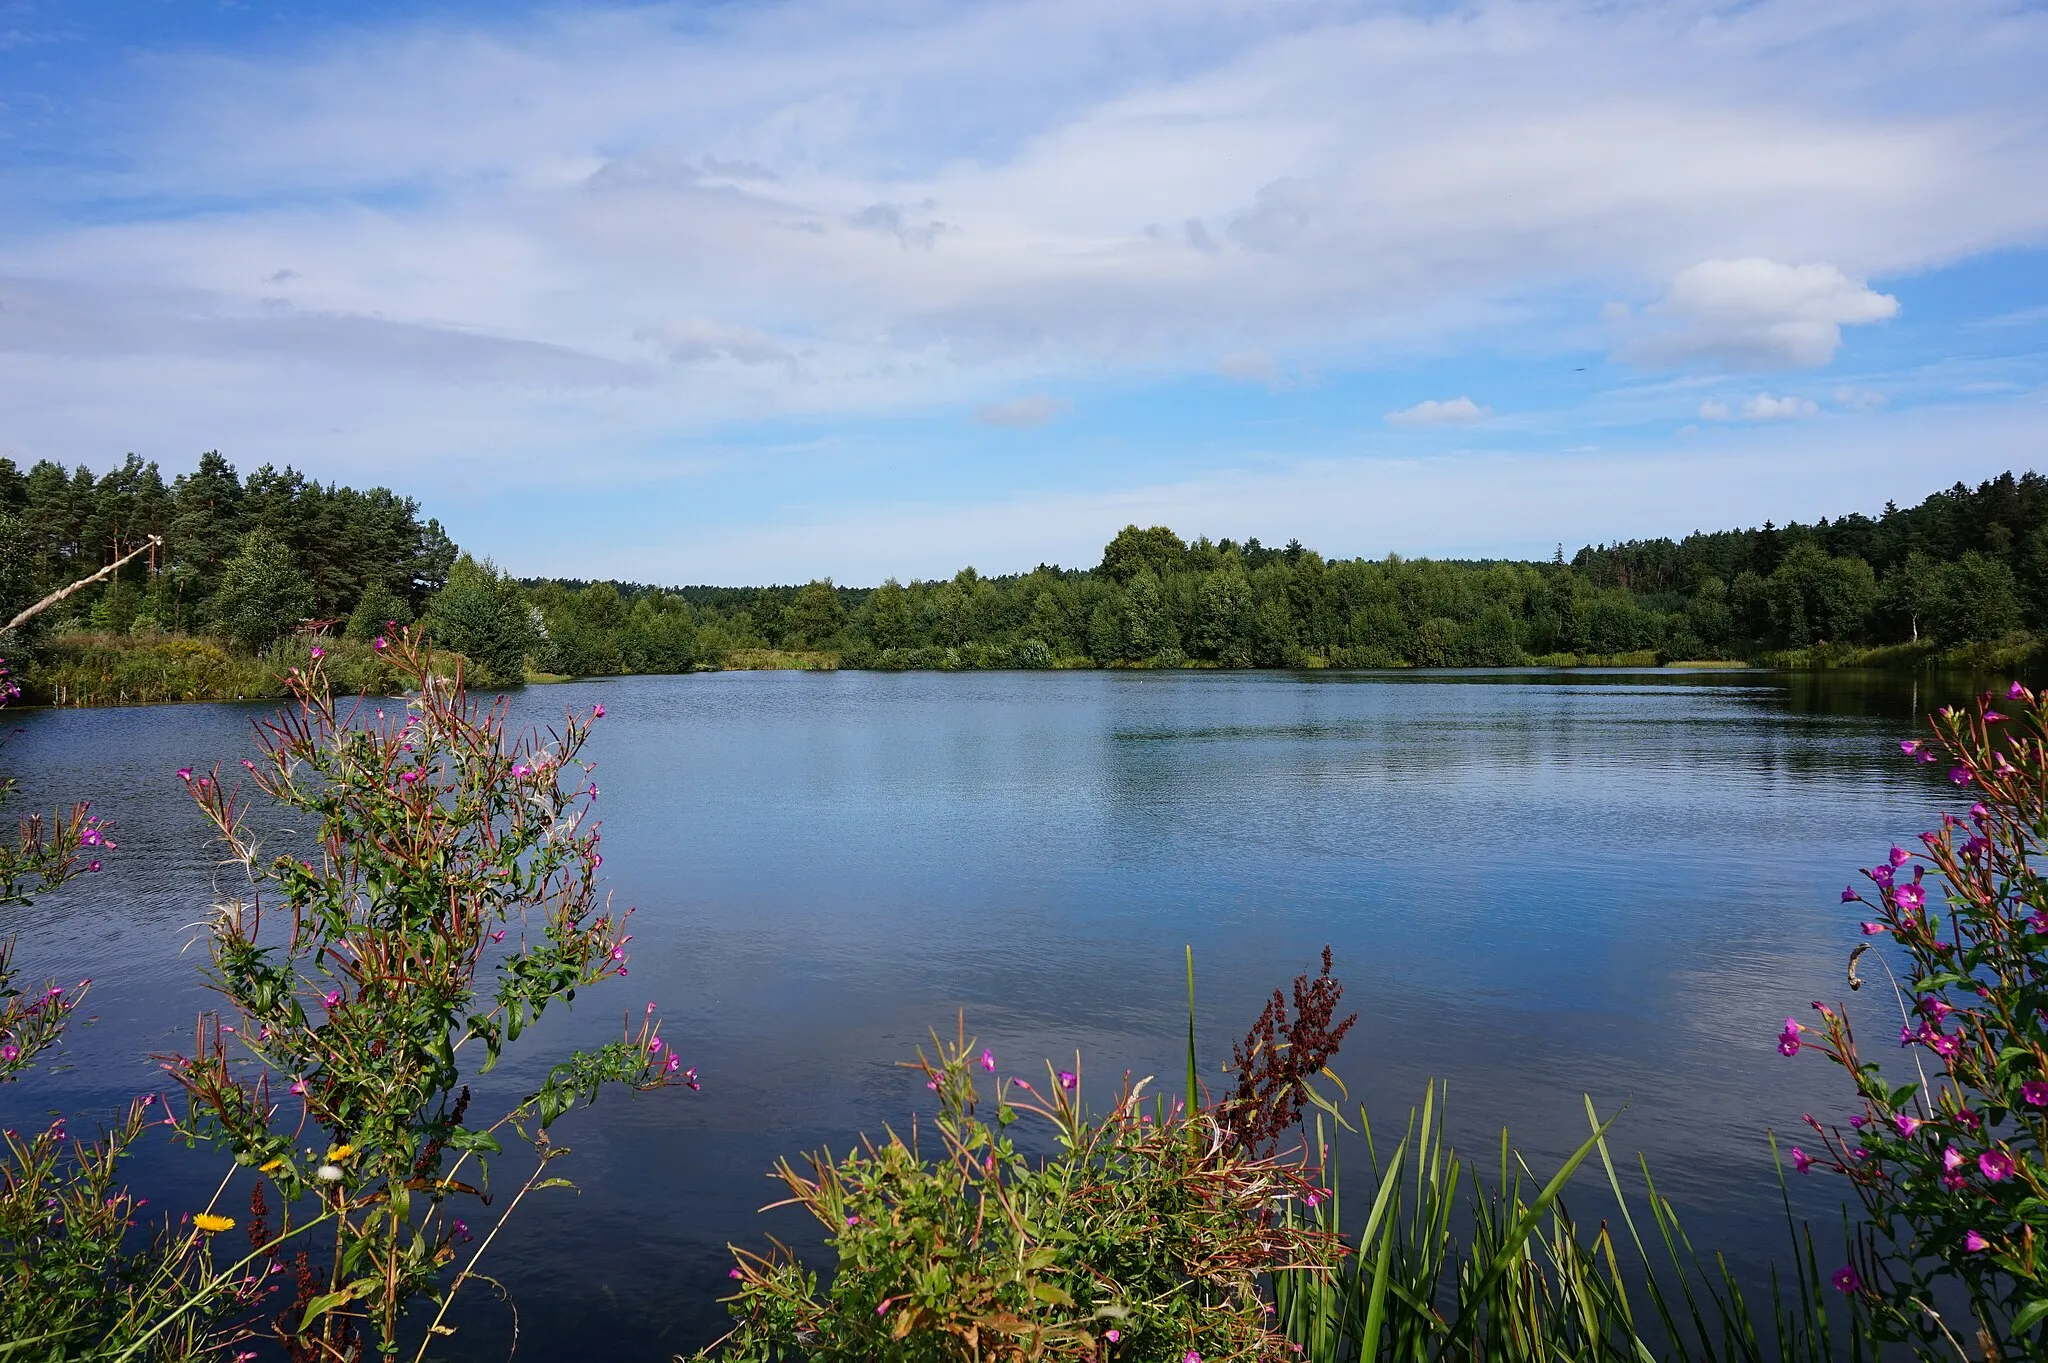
(321, 1305)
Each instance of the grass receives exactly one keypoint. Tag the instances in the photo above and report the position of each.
(1525, 1283)
(89, 670)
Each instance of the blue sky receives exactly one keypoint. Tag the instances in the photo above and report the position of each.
(764, 291)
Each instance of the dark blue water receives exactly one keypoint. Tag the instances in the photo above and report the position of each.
(1537, 886)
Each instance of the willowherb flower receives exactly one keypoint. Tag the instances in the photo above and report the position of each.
(1847, 1280)
(1995, 1165)
(1911, 898)
(1899, 856)
(1906, 1123)
(1066, 1079)
(1849, 895)
(1974, 1242)
(2035, 1091)
(1952, 1159)
(988, 1061)
(1801, 1161)
(1788, 1040)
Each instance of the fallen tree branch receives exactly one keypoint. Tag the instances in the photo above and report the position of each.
(54, 597)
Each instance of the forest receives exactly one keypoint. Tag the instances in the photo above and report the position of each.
(251, 569)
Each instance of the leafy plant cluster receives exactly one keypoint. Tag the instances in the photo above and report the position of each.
(447, 901)
(1147, 1235)
(1949, 1153)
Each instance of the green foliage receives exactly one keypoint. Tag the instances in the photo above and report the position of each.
(1952, 1167)
(98, 669)
(1158, 551)
(43, 853)
(482, 615)
(1450, 1268)
(262, 596)
(379, 612)
(1145, 1237)
(75, 1285)
(66, 524)
(814, 619)
(1974, 600)
(439, 836)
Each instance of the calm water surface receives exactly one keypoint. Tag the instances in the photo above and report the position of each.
(1537, 886)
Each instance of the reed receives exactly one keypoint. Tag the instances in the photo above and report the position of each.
(1448, 1266)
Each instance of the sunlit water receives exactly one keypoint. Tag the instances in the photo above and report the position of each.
(1537, 886)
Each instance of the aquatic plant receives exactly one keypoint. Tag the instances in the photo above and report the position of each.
(1949, 1154)
(1146, 1235)
(43, 853)
(1450, 1267)
(450, 899)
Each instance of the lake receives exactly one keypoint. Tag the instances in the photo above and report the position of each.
(1537, 885)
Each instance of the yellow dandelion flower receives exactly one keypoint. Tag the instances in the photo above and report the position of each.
(341, 1152)
(210, 1223)
(273, 1166)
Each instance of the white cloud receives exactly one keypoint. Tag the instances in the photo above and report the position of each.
(1035, 409)
(1755, 313)
(1764, 407)
(1858, 399)
(623, 228)
(1458, 411)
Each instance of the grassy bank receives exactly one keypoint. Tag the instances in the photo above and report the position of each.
(84, 670)
(2019, 652)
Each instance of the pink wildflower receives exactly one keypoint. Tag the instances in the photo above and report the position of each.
(1974, 1242)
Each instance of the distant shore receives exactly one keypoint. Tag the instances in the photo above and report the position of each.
(82, 671)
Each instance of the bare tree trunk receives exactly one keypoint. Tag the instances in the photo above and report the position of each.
(54, 597)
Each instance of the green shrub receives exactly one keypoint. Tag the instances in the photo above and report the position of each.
(1145, 1237)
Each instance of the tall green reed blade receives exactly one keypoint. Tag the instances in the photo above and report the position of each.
(1194, 1084)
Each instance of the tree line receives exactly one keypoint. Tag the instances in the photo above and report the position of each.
(253, 559)
(248, 558)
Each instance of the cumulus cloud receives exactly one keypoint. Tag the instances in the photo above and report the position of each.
(1457, 411)
(1036, 409)
(1762, 407)
(1754, 313)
